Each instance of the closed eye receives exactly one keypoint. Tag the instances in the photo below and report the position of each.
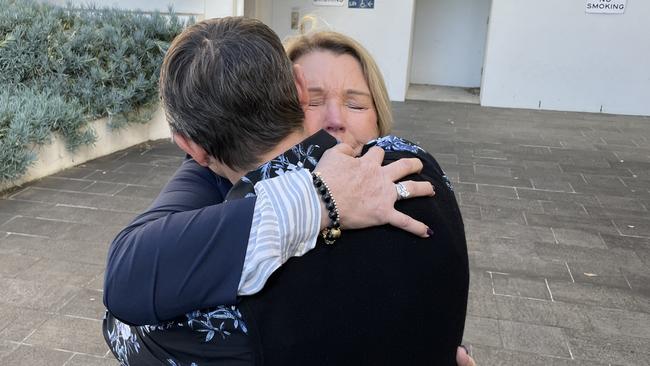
(356, 107)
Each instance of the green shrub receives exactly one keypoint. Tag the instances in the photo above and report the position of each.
(63, 67)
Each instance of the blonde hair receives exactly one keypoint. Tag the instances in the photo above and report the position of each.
(340, 44)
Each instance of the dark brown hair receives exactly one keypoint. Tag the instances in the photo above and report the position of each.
(227, 85)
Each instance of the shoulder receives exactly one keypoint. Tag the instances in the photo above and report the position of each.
(396, 144)
(397, 148)
(192, 180)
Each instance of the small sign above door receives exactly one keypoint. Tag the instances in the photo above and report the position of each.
(328, 2)
(606, 6)
(361, 4)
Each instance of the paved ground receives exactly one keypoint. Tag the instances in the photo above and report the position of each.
(557, 215)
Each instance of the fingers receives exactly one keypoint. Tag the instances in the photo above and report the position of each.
(418, 189)
(402, 167)
(343, 148)
(375, 154)
(407, 223)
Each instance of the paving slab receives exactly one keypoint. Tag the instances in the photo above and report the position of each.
(500, 356)
(28, 355)
(88, 360)
(557, 216)
(87, 303)
(540, 339)
(484, 331)
(48, 296)
(592, 294)
(520, 286)
(593, 346)
(82, 251)
(17, 322)
(71, 334)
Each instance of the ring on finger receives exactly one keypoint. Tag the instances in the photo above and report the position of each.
(402, 192)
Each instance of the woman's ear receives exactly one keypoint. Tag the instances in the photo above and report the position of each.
(192, 148)
(301, 85)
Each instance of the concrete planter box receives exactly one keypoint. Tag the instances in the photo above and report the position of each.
(54, 157)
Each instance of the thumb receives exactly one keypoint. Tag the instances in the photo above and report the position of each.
(462, 357)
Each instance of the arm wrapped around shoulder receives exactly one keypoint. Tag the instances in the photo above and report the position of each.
(380, 296)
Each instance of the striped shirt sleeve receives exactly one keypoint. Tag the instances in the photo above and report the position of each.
(286, 222)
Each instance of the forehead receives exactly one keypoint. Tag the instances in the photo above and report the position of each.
(326, 69)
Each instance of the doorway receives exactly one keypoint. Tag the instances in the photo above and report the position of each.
(259, 9)
(448, 49)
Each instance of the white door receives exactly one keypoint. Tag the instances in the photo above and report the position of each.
(449, 42)
(259, 9)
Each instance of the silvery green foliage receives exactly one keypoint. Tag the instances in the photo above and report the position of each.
(27, 119)
(61, 67)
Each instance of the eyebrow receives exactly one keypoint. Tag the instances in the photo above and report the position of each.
(317, 89)
(357, 92)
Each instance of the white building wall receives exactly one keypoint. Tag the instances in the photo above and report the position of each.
(552, 55)
(222, 8)
(385, 31)
(449, 42)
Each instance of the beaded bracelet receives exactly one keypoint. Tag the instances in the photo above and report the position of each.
(333, 230)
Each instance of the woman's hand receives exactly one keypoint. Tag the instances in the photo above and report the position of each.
(463, 358)
(365, 191)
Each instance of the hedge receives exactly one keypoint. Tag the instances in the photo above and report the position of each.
(62, 67)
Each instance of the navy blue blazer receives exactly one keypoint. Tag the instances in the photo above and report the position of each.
(186, 251)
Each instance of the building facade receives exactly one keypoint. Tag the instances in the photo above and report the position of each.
(551, 54)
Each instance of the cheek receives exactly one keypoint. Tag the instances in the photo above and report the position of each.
(364, 128)
(313, 121)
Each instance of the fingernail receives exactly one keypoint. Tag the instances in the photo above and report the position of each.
(429, 232)
(465, 348)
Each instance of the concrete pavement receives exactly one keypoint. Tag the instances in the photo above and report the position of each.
(556, 208)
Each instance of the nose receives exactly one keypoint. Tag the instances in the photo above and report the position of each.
(334, 119)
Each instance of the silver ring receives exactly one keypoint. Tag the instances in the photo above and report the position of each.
(402, 192)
